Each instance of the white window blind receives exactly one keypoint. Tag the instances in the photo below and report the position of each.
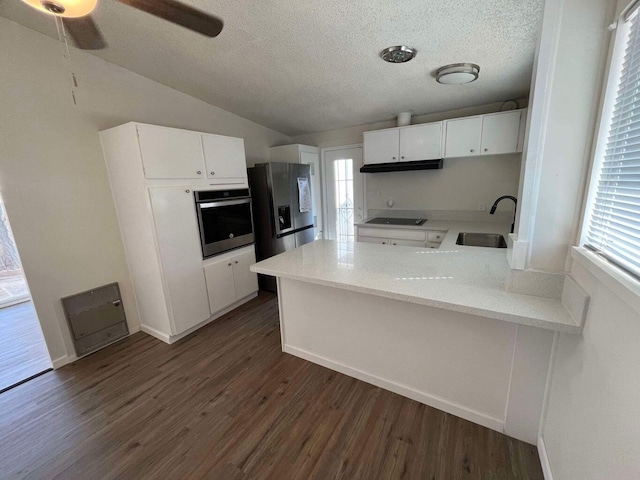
(614, 223)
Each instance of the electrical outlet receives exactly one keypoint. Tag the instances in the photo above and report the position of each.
(482, 207)
(374, 193)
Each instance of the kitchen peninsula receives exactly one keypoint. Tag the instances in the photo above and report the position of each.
(434, 325)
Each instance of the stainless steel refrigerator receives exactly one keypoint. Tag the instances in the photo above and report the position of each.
(282, 210)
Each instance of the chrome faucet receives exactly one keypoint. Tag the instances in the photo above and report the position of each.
(495, 205)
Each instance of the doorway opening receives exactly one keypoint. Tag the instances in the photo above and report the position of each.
(344, 192)
(23, 352)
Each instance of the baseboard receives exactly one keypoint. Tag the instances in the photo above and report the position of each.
(174, 338)
(544, 459)
(62, 361)
(427, 399)
(156, 333)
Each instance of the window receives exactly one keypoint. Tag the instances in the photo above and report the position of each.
(343, 175)
(612, 226)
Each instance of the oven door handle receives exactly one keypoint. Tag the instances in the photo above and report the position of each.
(224, 203)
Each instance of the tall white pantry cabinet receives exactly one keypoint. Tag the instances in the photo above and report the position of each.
(154, 172)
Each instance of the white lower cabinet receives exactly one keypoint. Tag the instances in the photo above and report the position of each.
(229, 278)
(178, 240)
(407, 238)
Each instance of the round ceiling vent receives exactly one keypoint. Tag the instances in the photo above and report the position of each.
(398, 54)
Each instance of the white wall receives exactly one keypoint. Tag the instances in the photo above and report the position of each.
(52, 172)
(564, 102)
(462, 184)
(592, 427)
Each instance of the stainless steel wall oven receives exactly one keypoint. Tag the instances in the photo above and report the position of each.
(225, 220)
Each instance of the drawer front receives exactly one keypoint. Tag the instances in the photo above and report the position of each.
(435, 237)
(382, 241)
(392, 233)
(408, 243)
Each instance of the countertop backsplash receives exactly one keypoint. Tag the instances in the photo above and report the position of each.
(450, 215)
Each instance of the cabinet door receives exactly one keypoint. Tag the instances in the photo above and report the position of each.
(174, 214)
(220, 285)
(500, 133)
(170, 153)
(381, 146)
(224, 157)
(246, 281)
(463, 137)
(421, 142)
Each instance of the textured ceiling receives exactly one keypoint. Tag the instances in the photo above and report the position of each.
(302, 66)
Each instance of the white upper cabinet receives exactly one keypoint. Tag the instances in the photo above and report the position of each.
(491, 134)
(500, 133)
(170, 152)
(382, 146)
(178, 239)
(421, 142)
(225, 158)
(463, 137)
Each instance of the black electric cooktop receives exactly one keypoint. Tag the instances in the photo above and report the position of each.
(397, 221)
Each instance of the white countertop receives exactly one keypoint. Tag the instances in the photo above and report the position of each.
(464, 279)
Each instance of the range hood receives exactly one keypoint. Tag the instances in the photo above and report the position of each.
(402, 166)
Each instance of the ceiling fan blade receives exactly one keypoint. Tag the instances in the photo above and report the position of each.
(180, 14)
(84, 32)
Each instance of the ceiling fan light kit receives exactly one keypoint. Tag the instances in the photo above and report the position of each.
(86, 34)
(64, 8)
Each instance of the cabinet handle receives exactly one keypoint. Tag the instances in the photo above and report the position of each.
(394, 243)
(393, 158)
(402, 158)
(229, 264)
(213, 173)
(486, 149)
(236, 261)
(384, 243)
(472, 150)
(199, 172)
(187, 191)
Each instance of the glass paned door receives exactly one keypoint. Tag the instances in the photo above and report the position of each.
(344, 193)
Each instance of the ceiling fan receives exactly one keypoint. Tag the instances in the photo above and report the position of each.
(86, 35)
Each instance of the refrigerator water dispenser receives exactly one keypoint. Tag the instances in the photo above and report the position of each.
(284, 217)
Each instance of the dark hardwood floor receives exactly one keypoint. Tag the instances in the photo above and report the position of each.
(22, 349)
(226, 403)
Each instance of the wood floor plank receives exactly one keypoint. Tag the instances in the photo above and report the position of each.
(226, 403)
(23, 352)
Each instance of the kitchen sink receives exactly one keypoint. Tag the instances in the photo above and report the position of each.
(493, 240)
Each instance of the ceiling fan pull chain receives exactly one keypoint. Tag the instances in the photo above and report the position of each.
(62, 35)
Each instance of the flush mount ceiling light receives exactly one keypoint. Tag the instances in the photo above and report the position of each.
(457, 73)
(64, 8)
(398, 54)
